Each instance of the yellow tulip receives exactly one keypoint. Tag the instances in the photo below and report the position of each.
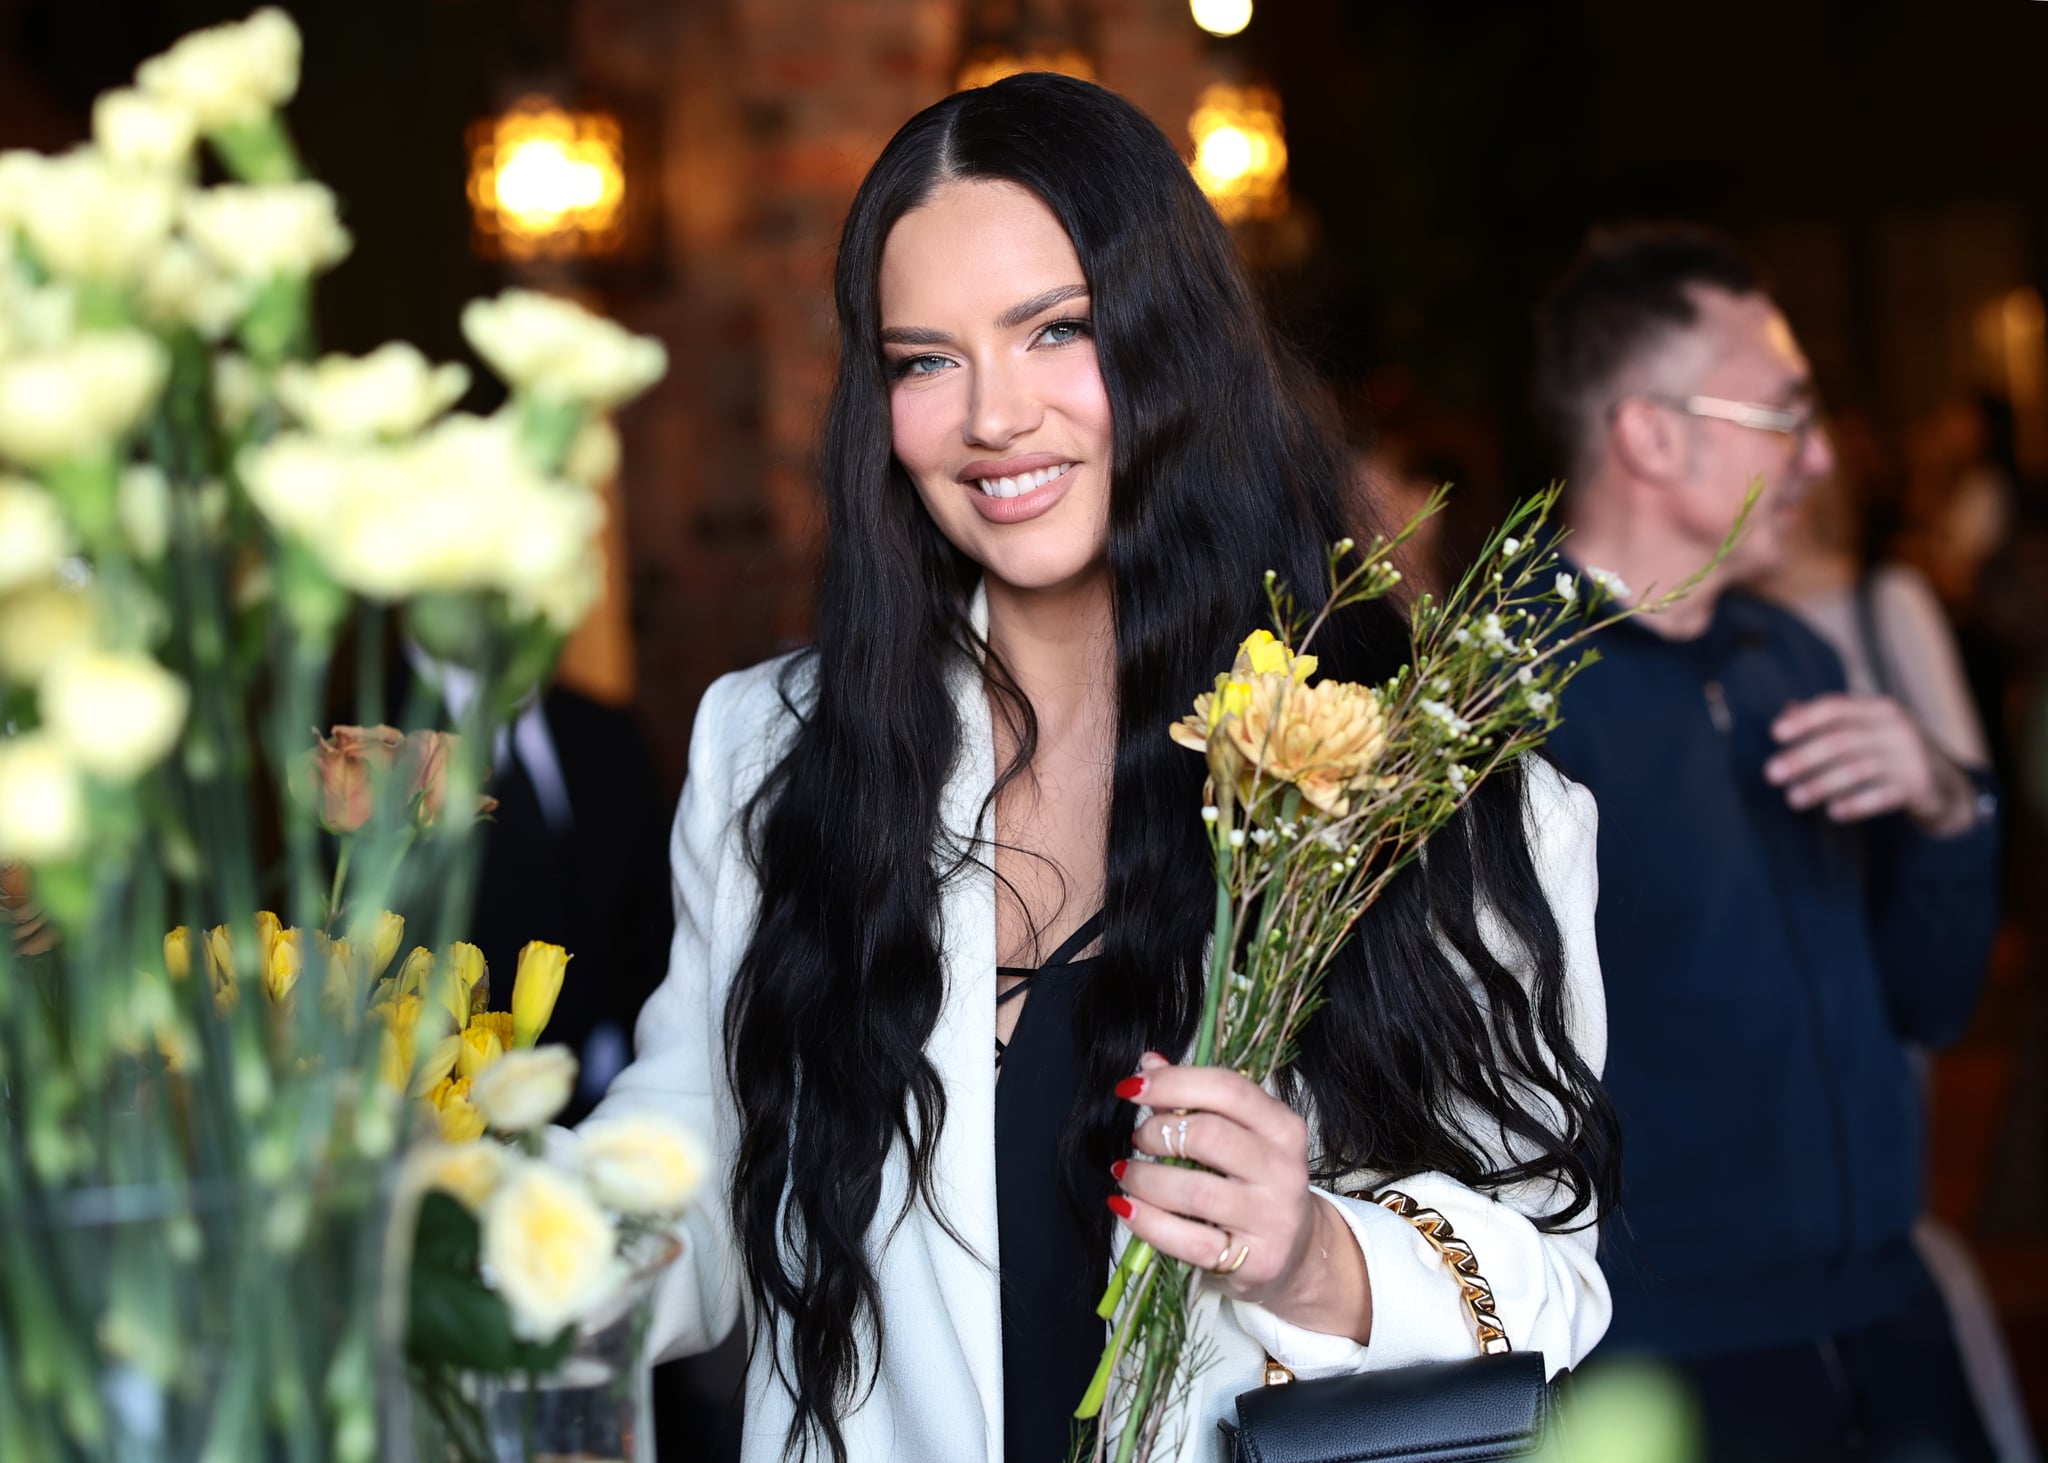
(414, 974)
(1263, 655)
(460, 973)
(383, 941)
(459, 1120)
(338, 993)
(220, 956)
(268, 928)
(435, 1067)
(178, 953)
(498, 1023)
(481, 1046)
(401, 1019)
(281, 972)
(535, 989)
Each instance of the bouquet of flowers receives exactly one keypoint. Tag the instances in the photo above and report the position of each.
(1319, 794)
(194, 515)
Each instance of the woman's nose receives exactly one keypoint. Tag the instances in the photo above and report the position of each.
(1002, 408)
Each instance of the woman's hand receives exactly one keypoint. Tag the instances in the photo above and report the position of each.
(1254, 1216)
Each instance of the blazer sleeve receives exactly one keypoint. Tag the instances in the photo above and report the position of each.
(1548, 1288)
(678, 1066)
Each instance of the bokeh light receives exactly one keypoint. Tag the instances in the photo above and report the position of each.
(1240, 151)
(1221, 17)
(547, 181)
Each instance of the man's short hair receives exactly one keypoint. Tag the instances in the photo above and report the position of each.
(1628, 291)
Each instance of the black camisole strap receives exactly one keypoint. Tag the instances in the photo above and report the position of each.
(1073, 945)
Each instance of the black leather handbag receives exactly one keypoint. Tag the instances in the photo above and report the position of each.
(1495, 1405)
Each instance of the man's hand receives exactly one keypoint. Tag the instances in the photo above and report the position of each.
(1860, 756)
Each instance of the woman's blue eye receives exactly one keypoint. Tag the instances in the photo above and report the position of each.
(920, 366)
(1065, 332)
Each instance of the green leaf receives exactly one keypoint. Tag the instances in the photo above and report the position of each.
(456, 1319)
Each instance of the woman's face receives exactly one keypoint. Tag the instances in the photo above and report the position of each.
(996, 402)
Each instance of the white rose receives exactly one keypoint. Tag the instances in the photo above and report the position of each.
(524, 1088)
(36, 317)
(641, 1163)
(564, 601)
(594, 455)
(78, 398)
(42, 800)
(88, 220)
(142, 131)
(548, 1249)
(230, 74)
(144, 510)
(264, 231)
(180, 288)
(559, 350)
(392, 392)
(42, 626)
(33, 538)
(19, 169)
(116, 713)
(470, 1171)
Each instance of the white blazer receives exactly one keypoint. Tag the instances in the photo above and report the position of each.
(939, 1395)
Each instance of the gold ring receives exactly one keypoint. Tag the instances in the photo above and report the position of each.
(1223, 1254)
(1244, 1253)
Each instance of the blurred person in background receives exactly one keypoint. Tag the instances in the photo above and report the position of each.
(1796, 883)
(1886, 623)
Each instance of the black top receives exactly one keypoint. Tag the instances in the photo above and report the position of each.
(1765, 970)
(1054, 1257)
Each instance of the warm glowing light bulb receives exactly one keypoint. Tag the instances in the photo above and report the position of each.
(1226, 154)
(542, 180)
(1221, 17)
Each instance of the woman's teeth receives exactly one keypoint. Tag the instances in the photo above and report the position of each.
(1023, 482)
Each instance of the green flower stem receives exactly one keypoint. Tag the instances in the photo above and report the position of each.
(1134, 1428)
(1098, 1387)
(1136, 1259)
(348, 847)
(1222, 945)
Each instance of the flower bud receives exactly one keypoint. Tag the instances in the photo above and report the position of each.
(535, 988)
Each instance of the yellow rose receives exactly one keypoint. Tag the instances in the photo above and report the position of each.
(138, 130)
(560, 351)
(41, 627)
(392, 392)
(115, 712)
(524, 1089)
(286, 958)
(1262, 655)
(640, 1163)
(386, 933)
(178, 953)
(481, 1046)
(264, 231)
(42, 800)
(34, 541)
(551, 1251)
(228, 75)
(79, 398)
(88, 220)
(459, 976)
(535, 988)
(469, 1170)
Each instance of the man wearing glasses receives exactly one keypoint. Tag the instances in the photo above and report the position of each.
(1795, 885)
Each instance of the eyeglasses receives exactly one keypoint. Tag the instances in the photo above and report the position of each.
(1796, 422)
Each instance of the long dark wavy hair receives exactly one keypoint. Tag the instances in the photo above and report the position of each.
(1222, 471)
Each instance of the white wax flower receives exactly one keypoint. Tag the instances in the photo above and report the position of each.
(1608, 580)
(560, 351)
(115, 713)
(548, 1249)
(79, 398)
(144, 510)
(524, 1088)
(640, 1163)
(42, 626)
(392, 392)
(264, 231)
(181, 287)
(33, 538)
(142, 131)
(1567, 588)
(89, 220)
(229, 75)
(42, 800)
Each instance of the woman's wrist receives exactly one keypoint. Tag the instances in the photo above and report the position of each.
(1330, 1290)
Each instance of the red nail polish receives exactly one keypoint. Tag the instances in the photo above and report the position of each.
(1116, 1170)
(1130, 1087)
(1121, 1207)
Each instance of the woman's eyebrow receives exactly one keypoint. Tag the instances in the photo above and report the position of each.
(1038, 304)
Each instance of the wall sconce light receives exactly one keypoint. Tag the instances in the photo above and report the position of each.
(547, 182)
(1221, 17)
(1240, 151)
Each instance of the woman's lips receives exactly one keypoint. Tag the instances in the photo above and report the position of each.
(1022, 497)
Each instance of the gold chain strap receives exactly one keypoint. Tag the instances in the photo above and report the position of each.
(1432, 1226)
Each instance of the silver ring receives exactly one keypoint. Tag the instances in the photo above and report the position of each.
(1180, 1132)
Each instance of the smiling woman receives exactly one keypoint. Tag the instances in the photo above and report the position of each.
(1063, 452)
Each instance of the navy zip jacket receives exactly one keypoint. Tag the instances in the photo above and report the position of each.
(1766, 970)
